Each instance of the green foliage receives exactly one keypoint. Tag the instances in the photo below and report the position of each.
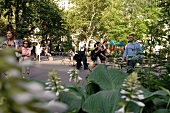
(27, 15)
(102, 102)
(74, 98)
(111, 79)
(2, 27)
(101, 94)
(19, 95)
(113, 19)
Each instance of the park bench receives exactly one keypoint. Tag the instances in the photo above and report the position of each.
(65, 58)
(115, 63)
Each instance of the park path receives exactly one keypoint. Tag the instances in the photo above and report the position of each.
(40, 70)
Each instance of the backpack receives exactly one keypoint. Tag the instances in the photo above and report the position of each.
(93, 55)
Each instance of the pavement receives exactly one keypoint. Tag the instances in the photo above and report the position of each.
(40, 70)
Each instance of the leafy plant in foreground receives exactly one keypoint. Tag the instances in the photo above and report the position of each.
(102, 94)
(18, 95)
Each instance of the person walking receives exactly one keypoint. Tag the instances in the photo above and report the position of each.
(71, 55)
(82, 55)
(103, 49)
(98, 52)
(26, 53)
(33, 51)
(131, 53)
(38, 51)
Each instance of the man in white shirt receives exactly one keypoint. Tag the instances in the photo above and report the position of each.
(82, 55)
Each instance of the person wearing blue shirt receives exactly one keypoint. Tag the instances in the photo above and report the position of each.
(132, 53)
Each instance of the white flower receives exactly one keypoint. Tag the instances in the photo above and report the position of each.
(133, 96)
(70, 79)
(62, 87)
(14, 72)
(121, 110)
(11, 59)
(123, 97)
(140, 91)
(47, 83)
(66, 90)
(53, 88)
(71, 75)
(169, 74)
(138, 103)
(79, 78)
(48, 88)
(127, 99)
(57, 93)
(124, 85)
(140, 97)
(124, 92)
(56, 107)
(129, 89)
(57, 82)
(48, 80)
(22, 98)
(32, 87)
(69, 72)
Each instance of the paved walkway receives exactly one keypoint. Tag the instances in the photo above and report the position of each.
(40, 70)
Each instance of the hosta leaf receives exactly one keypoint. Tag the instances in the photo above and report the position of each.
(155, 95)
(72, 100)
(77, 90)
(117, 77)
(92, 88)
(102, 102)
(107, 79)
(162, 111)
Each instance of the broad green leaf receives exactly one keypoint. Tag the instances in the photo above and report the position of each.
(107, 79)
(162, 111)
(155, 95)
(117, 77)
(160, 102)
(106, 102)
(72, 100)
(102, 102)
(77, 90)
(92, 88)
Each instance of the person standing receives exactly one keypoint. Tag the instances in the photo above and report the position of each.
(26, 53)
(82, 55)
(12, 43)
(131, 53)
